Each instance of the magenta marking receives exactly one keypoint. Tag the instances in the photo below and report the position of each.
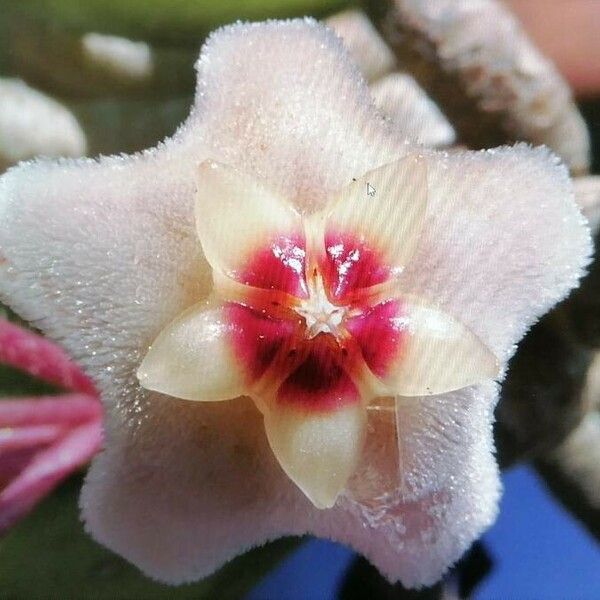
(270, 338)
(350, 265)
(315, 370)
(380, 335)
(279, 266)
(67, 409)
(320, 382)
(258, 338)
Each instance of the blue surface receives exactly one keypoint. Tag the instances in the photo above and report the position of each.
(540, 552)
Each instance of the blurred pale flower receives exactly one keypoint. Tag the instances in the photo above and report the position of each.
(397, 95)
(401, 98)
(43, 439)
(118, 55)
(33, 124)
(366, 47)
(103, 255)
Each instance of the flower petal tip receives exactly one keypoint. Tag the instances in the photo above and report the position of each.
(192, 359)
(319, 452)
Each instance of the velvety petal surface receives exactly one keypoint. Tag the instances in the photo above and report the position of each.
(448, 489)
(286, 105)
(181, 523)
(503, 241)
(101, 256)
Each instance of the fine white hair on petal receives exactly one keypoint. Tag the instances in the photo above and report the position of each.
(587, 195)
(33, 124)
(367, 48)
(418, 118)
(449, 487)
(196, 486)
(504, 240)
(181, 523)
(101, 255)
(283, 102)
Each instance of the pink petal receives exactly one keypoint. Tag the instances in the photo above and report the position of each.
(14, 462)
(27, 437)
(47, 469)
(41, 358)
(66, 410)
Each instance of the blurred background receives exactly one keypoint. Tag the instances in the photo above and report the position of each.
(117, 76)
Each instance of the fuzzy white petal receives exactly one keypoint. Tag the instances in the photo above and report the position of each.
(424, 503)
(181, 523)
(102, 255)
(285, 105)
(503, 241)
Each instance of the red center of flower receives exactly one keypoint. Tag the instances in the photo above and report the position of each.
(311, 332)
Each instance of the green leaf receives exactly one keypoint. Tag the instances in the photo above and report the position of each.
(163, 21)
(49, 556)
(16, 383)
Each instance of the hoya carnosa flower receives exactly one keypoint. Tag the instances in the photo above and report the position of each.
(310, 319)
(361, 331)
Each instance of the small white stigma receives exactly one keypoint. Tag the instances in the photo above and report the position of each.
(320, 315)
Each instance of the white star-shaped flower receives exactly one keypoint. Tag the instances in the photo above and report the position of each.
(113, 256)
